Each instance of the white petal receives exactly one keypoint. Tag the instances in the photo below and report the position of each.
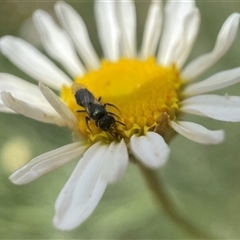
(151, 150)
(108, 29)
(217, 81)
(33, 62)
(9, 82)
(116, 162)
(23, 90)
(31, 110)
(57, 43)
(73, 23)
(190, 31)
(47, 162)
(4, 108)
(83, 191)
(198, 133)
(60, 107)
(224, 41)
(126, 16)
(181, 25)
(224, 108)
(152, 29)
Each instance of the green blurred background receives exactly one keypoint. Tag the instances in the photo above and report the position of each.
(202, 181)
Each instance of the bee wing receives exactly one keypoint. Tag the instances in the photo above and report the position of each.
(76, 87)
(88, 99)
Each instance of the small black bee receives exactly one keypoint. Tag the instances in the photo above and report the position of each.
(96, 111)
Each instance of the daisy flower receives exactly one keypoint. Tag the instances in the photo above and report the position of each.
(151, 90)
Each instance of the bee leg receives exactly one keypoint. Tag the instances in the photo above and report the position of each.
(114, 135)
(87, 119)
(81, 111)
(110, 104)
(110, 113)
(99, 99)
(96, 123)
(121, 123)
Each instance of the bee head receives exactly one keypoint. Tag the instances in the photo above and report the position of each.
(106, 123)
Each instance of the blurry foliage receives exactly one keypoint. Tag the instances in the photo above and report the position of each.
(203, 181)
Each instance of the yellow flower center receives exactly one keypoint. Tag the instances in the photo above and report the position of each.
(144, 92)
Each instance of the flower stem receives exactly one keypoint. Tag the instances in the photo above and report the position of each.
(164, 201)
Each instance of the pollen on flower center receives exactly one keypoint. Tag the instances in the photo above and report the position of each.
(141, 90)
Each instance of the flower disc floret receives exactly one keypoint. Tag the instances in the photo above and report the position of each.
(141, 90)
